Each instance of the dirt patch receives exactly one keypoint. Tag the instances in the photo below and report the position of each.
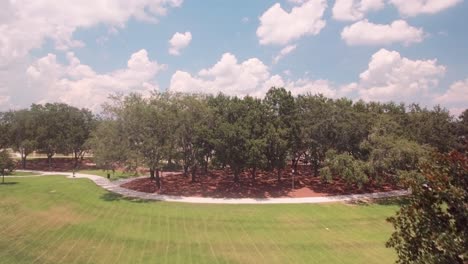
(220, 184)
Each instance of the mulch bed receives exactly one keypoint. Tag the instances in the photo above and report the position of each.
(220, 184)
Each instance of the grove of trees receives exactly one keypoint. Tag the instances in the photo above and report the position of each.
(359, 143)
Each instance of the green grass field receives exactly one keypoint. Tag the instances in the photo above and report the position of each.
(59, 220)
(23, 173)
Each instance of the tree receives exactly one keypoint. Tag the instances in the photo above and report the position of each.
(255, 122)
(433, 226)
(4, 131)
(22, 132)
(462, 132)
(110, 148)
(231, 136)
(80, 123)
(52, 122)
(193, 117)
(281, 113)
(144, 125)
(7, 165)
(346, 167)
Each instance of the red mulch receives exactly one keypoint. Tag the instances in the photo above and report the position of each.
(58, 164)
(220, 184)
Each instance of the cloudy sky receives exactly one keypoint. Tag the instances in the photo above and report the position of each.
(79, 52)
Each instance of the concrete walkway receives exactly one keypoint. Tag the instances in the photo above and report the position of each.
(115, 188)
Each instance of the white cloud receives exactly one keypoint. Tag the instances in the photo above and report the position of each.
(391, 77)
(352, 10)
(416, 7)
(251, 77)
(178, 42)
(366, 33)
(26, 24)
(78, 84)
(279, 27)
(457, 94)
(285, 51)
(245, 20)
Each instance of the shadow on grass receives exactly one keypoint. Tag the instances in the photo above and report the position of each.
(114, 197)
(8, 183)
(391, 201)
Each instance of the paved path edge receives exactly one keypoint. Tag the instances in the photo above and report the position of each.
(115, 188)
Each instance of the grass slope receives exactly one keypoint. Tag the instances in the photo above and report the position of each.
(59, 220)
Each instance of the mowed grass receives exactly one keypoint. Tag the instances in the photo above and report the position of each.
(23, 173)
(59, 220)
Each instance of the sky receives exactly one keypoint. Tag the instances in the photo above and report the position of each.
(80, 52)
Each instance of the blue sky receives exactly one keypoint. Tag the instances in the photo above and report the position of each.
(421, 58)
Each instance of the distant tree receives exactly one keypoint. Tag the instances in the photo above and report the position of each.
(79, 125)
(345, 167)
(282, 113)
(193, 116)
(388, 155)
(22, 132)
(433, 226)
(110, 149)
(52, 122)
(255, 121)
(231, 136)
(434, 127)
(462, 132)
(7, 165)
(144, 125)
(4, 131)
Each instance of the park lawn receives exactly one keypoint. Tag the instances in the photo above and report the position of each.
(114, 176)
(60, 220)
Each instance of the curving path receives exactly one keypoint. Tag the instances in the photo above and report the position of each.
(115, 188)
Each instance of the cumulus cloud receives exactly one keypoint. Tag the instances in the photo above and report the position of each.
(391, 77)
(416, 7)
(250, 77)
(367, 33)
(178, 42)
(457, 94)
(78, 84)
(279, 27)
(283, 52)
(26, 24)
(352, 10)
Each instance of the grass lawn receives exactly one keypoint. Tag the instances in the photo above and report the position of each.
(59, 220)
(118, 174)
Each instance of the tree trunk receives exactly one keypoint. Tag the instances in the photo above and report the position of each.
(186, 170)
(254, 173)
(152, 174)
(279, 175)
(236, 175)
(294, 165)
(49, 160)
(194, 173)
(3, 178)
(23, 159)
(158, 180)
(316, 168)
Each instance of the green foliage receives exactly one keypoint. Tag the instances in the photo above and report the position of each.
(345, 167)
(433, 226)
(388, 155)
(7, 165)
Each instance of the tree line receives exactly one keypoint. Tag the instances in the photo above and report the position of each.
(358, 142)
(48, 129)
